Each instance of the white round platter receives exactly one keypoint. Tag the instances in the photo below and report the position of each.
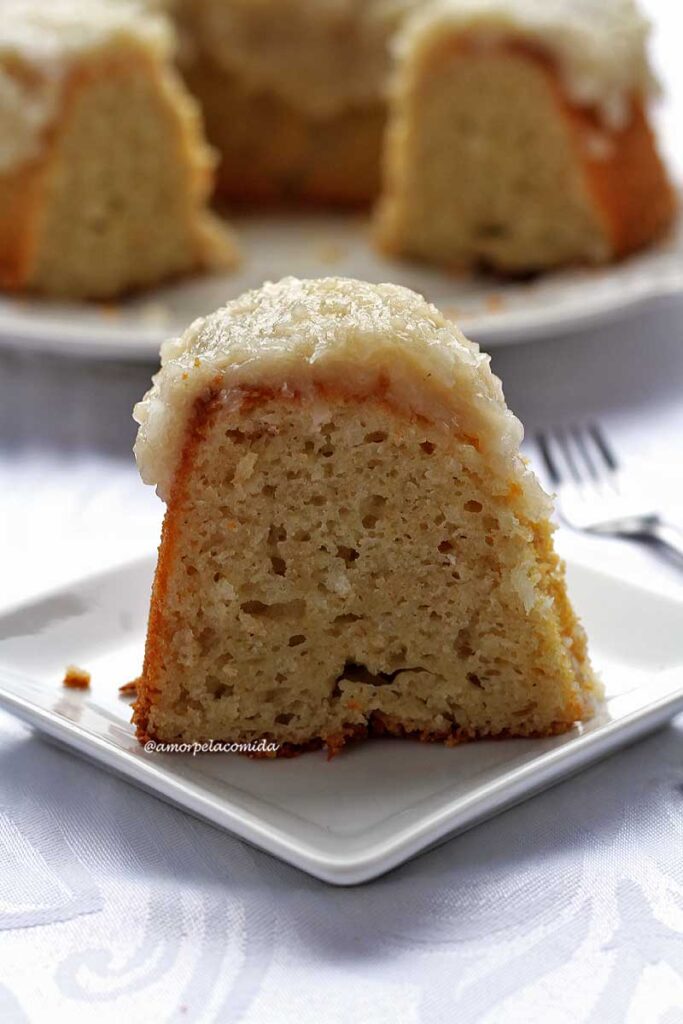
(491, 311)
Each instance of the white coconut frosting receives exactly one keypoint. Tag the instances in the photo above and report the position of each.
(599, 46)
(39, 44)
(330, 335)
(320, 56)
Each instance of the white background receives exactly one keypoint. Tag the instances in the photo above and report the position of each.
(115, 907)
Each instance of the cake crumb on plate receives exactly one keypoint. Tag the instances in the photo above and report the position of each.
(76, 678)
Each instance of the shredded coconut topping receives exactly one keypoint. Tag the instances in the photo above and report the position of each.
(599, 45)
(344, 336)
(39, 43)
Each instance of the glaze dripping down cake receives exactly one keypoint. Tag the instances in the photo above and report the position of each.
(105, 175)
(352, 543)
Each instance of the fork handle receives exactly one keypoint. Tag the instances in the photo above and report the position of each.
(668, 535)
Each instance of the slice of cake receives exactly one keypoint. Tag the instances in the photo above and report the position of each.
(352, 542)
(519, 137)
(104, 171)
(293, 92)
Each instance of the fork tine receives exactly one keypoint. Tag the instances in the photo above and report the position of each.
(588, 483)
(605, 450)
(558, 459)
(583, 449)
(608, 463)
(563, 440)
(543, 443)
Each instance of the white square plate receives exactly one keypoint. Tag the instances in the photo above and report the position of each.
(372, 808)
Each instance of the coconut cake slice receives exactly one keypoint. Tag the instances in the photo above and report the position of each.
(105, 174)
(352, 542)
(519, 136)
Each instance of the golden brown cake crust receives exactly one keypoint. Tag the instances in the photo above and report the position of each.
(145, 684)
(628, 182)
(631, 188)
(19, 207)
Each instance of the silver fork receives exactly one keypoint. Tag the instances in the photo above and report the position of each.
(592, 491)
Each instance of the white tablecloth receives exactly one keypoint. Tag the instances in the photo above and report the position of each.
(115, 907)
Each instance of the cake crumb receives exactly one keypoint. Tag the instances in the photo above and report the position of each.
(76, 678)
(129, 689)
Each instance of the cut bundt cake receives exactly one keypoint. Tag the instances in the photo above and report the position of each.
(104, 171)
(518, 132)
(293, 92)
(352, 542)
(519, 136)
